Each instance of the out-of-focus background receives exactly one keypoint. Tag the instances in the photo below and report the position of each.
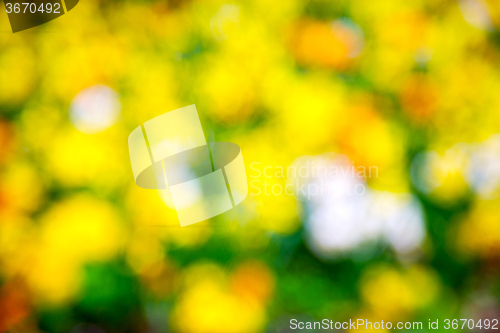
(407, 89)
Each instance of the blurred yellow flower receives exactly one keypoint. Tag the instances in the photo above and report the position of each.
(274, 210)
(446, 173)
(208, 305)
(53, 280)
(277, 12)
(74, 231)
(394, 294)
(479, 233)
(21, 189)
(318, 44)
(17, 74)
(356, 139)
(314, 109)
(82, 228)
(75, 159)
(103, 57)
(18, 236)
(225, 93)
(151, 89)
(252, 280)
(404, 30)
(37, 125)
